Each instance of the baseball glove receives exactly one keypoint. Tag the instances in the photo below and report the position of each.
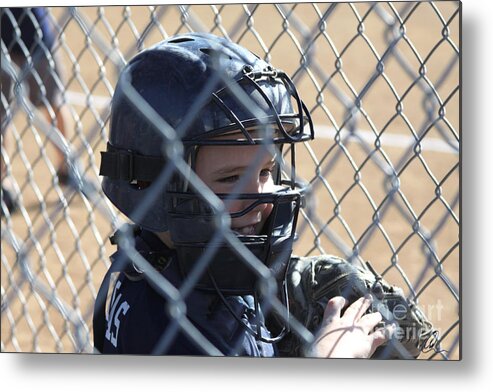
(312, 281)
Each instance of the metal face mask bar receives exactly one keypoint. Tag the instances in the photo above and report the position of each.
(194, 226)
(298, 119)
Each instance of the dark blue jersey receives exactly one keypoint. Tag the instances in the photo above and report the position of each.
(35, 29)
(138, 320)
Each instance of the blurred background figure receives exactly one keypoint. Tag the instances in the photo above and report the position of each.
(28, 38)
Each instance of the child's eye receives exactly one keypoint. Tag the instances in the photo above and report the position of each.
(265, 172)
(229, 179)
(263, 175)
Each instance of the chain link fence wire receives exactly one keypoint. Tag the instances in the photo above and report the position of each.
(381, 81)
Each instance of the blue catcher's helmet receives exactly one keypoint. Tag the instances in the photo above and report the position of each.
(185, 92)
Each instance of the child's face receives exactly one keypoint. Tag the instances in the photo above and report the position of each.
(222, 167)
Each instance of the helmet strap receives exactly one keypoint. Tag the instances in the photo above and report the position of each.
(256, 334)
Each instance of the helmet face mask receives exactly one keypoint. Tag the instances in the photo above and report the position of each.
(210, 92)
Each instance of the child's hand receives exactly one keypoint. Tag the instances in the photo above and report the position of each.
(351, 335)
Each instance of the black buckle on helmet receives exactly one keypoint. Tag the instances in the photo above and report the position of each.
(119, 164)
(125, 165)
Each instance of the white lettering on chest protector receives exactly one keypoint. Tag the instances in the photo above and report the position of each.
(116, 308)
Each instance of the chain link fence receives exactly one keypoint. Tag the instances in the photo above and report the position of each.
(380, 79)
